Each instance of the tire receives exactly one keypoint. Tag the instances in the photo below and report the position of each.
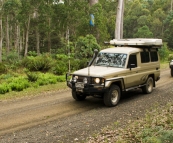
(172, 71)
(112, 97)
(148, 88)
(78, 96)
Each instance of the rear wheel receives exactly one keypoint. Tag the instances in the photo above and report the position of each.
(148, 88)
(112, 97)
(78, 96)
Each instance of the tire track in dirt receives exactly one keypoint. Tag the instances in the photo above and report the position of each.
(29, 112)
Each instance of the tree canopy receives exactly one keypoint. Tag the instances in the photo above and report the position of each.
(44, 25)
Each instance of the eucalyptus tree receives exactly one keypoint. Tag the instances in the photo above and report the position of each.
(1, 29)
(25, 12)
(12, 25)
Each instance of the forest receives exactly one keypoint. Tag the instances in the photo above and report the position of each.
(43, 35)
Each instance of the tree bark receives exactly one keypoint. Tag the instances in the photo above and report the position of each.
(49, 39)
(1, 31)
(119, 20)
(1, 37)
(37, 41)
(7, 37)
(27, 36)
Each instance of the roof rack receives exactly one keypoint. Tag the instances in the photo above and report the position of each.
(137, 42)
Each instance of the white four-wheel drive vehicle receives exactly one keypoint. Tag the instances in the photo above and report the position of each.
(131, 64)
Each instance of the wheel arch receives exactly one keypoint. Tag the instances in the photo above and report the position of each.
(120, 83)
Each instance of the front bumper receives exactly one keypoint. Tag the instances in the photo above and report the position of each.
(88, 88)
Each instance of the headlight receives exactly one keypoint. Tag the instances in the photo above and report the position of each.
(85, 80)
(97, 80)
(75, 78)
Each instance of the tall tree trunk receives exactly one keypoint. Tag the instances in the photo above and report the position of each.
(119, 20)
(92, 2)
(122, 21)
(171, 4)
(7, 37)
(37, 32)
(1, 30)
(1, 37)
(16, 45)
(37, 41)
(49, 39)
(27, 36)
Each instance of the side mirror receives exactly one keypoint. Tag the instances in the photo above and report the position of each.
(132, 66)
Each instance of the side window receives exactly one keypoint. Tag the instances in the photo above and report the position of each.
(145, 58)
(132, 60)
(154, 56)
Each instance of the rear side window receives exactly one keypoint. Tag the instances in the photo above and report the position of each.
(145, 58)
(154, 56)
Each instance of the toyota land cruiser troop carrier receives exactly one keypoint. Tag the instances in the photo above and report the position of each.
(131, 64)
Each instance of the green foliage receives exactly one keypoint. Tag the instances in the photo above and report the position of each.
(61, 78)
(46, 78)
(164, 52)
(32, 53)
(19, 84)
(32, 76)
(2, 68)
(143, 32)
(40, 63)
(85, 47)
(4, 88)
(60, 68)
(170, 57)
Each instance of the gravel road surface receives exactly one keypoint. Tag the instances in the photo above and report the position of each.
(55, 117)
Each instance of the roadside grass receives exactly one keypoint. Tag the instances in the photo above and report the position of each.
(155, 127)
(164, 65)
(32, 91)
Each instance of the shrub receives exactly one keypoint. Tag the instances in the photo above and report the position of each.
(164, 52)
(46, 78)
(3, 68)
(61, 78)
(32, 53)
(12, 60)
(39, 63)
(19, 83)
(4, 88)
(32, 76)
(170, 57)
(60, 68)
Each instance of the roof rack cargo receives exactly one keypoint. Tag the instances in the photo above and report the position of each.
(137, 42)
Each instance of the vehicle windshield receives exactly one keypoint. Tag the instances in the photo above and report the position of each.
(110, 60)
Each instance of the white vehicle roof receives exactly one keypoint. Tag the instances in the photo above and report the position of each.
(125, 50)
(137, 42)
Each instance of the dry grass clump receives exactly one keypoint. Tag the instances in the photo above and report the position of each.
(156, 127)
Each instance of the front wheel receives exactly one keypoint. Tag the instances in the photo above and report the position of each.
(148, 88)
(112, 97)
(78, 96)
(172, 71)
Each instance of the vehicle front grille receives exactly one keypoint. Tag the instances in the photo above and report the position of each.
(80, 79)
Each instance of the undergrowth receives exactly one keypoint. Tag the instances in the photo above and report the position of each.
(155, 127)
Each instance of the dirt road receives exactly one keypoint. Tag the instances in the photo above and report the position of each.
(56, 117)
